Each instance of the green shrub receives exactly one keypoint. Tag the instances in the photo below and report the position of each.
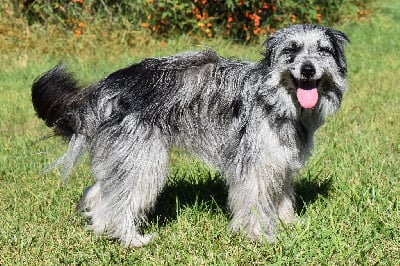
(237, 19)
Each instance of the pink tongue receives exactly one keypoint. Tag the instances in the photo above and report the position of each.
(308, 98)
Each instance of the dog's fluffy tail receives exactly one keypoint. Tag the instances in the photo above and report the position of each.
(56, 98)
(53, 93)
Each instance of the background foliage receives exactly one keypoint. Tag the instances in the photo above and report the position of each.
(238, 19)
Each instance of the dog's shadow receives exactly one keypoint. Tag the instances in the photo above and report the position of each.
(211, 193)
(308, 190)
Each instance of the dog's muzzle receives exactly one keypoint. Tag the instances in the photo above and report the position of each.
(306, 86)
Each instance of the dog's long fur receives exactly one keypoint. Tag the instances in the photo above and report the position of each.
(243, 118)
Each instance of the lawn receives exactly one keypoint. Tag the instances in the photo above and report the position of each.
(348, 193)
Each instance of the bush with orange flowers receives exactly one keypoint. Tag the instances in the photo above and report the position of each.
(237, 19)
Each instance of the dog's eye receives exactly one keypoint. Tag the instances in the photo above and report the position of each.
(291, 49)
(325, 51)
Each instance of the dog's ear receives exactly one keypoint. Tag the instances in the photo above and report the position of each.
(269, 45)
(338, 39)
(339, 36)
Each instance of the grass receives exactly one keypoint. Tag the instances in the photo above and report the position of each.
(348, 194)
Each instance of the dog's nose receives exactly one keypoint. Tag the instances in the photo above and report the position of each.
(307, 70)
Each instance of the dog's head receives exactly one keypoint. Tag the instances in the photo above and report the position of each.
(309, 62)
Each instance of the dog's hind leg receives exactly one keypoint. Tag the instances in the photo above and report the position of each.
(130, 168)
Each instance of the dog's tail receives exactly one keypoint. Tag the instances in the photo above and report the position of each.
(53, 94)
(56, 98)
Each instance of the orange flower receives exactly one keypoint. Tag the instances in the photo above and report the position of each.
(78, 33)
(257, 20)
(230, 19)
(245, 27)
(81, 24)
(319, 18)
(256, 31)
(144, 25)
(293, 18)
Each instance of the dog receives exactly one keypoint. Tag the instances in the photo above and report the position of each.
(253, 121)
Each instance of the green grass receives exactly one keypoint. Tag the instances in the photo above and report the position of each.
(348, 194)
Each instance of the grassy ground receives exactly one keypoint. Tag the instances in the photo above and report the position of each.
(348, 194)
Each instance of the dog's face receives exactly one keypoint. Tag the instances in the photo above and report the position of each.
(309, 61)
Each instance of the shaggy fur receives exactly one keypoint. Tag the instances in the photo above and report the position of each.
(254, 122)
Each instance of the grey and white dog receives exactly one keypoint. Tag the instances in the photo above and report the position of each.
(254, 122)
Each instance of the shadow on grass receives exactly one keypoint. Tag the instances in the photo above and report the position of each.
(308, 191)
(211, 193)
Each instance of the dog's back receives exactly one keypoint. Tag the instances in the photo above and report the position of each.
(186, 84)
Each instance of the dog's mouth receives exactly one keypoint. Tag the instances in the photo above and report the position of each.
(307, 92)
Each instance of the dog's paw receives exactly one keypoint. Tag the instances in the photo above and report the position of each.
(138, 240)
(255, 232)
(262, 237)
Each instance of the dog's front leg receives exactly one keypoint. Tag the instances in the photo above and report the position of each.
(260, 194)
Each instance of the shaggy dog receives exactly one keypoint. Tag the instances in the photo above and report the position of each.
(254, 122)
